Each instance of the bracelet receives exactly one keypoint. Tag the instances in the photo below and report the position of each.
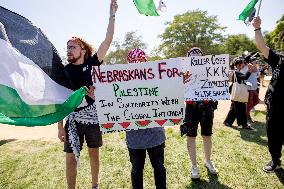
(257, 29)
(112, 17)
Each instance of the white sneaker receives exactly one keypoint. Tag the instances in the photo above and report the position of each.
(194, 172)
(211, 167)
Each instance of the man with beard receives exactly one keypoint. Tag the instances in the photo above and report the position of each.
(82, 124)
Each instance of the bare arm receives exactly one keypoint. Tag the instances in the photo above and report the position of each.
(61, 132)
(260, 44)
(103, 48)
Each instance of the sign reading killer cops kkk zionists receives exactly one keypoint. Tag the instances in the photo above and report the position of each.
(139, 96)
(209, 80)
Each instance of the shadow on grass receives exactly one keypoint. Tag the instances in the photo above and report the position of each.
(280, 174)
(256, 135)
(212, 183)
(2, 142)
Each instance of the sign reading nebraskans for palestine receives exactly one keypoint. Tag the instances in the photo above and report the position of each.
(139, 96)
(209, 80)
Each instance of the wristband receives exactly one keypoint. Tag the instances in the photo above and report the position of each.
(257, 29)
(112, 17)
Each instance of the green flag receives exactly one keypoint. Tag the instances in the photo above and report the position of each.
(248, 10)
(146, 7)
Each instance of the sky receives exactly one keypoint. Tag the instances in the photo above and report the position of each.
(62, 19)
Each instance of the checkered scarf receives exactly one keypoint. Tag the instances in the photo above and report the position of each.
(87, 115)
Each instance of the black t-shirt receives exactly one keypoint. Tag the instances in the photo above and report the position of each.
(277, 64)
(80, 75)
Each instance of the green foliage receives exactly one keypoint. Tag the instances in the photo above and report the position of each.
(237, 44)
(121, 47)
(268, 39)
(272, 38)
(193, 28)
(155, 54)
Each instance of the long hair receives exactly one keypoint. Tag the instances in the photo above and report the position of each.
(84, 45)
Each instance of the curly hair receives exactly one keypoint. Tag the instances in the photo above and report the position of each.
(84, 45)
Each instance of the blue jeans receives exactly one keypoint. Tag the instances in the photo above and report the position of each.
(137, 159)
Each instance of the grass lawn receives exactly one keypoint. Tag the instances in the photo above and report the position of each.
(238, 154)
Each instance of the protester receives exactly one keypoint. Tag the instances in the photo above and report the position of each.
(199, 112)
(273, 98)
(82, 124)
(238, 109)
(150, 140)
(253, 88)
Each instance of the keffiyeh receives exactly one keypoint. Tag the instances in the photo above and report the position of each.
(87, 115)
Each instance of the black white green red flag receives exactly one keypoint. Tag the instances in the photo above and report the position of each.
(33, 85)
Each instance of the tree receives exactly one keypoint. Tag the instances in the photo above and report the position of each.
(272, 38)
(155, 54)
(193, 28)
(118, 55)
(237, 44)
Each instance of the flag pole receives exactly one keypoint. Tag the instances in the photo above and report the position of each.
(259, 8)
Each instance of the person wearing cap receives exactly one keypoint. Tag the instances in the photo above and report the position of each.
(199, 112)
(273, 98)
(238, 109)
(82, 124)
(151, 140)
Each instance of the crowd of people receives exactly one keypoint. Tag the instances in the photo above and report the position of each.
(82, 124)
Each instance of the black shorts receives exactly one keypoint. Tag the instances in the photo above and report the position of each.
(89, 132)
(198, 113)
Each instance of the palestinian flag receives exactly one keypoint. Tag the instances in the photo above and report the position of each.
(33, 85)
(249, 11)
(149, 8)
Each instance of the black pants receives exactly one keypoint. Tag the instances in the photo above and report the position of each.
(275, 135)
(137, 159)
(237, 110)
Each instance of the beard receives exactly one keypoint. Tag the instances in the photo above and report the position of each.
(73, 59)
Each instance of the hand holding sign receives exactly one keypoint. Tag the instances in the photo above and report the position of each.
(186, 76)
(90, 92)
